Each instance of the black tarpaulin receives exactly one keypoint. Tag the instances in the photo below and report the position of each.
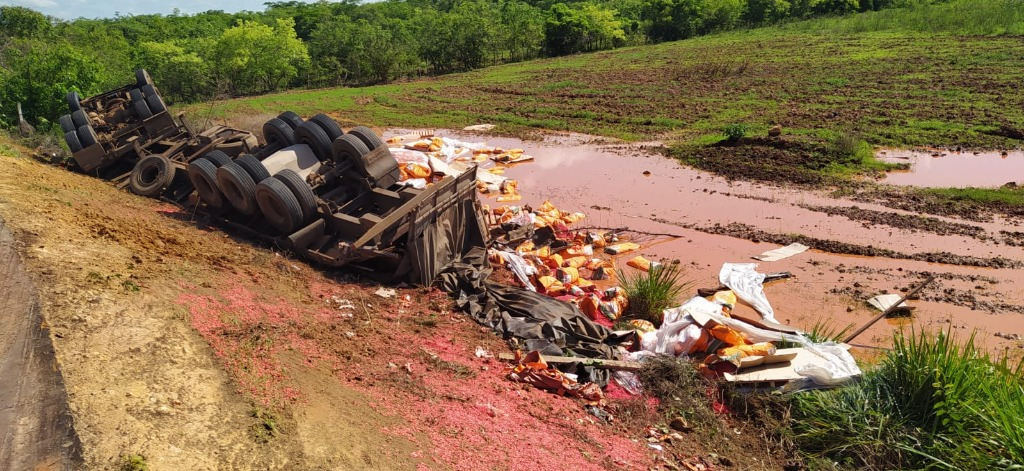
(542, 323)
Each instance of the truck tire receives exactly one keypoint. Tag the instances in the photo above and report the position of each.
(148, 90)
(291, 118)
(71, 137)
(316, 138)
(238, 188)
(136, 95)
(87, 136)
(277, 132)
(203, 174)
(142, 78)
(151, 175)
(156, 104)
(328, 125)
(66, 124)
(74, 101)
(303, 193)
(348, 148)
(253, 167)
(217, 158)
(279, 205)
(142, 109)
(370, 138)
(79, 118)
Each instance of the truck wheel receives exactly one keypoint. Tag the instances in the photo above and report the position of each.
(71, 137)
(278, 132)
(365, 134)
(291, 118)
(203, 174)
(79, 118)
(314, 136)
(253, 167)
(238, 187)
(136, 95)
(148, 90)
(328, 125)
(217, 158)
(349, 148)
(151, 175)
(142, 78)
(74, 101)
(87, 136)
(303, 193)
(279, 205)
(66, 124)
(156, 104)
(142, 109)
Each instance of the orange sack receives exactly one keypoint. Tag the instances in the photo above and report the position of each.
(641, 263)
(727, 335)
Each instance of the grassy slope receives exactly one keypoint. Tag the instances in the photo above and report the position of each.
(895, 88)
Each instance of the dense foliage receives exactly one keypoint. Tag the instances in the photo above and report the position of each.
(297, 44)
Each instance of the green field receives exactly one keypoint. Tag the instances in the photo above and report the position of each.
(893, 86)
(944, 75)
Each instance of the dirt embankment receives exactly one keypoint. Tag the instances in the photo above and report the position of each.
(191, 349)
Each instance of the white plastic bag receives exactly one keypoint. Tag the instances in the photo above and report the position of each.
(748, 284)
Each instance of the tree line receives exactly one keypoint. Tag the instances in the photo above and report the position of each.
(296, 44)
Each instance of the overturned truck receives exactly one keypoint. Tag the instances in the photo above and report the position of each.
(331, 196)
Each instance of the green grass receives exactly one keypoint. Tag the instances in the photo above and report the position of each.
(935, 75)
(1003, 196)
(934, 402)
(649, 293)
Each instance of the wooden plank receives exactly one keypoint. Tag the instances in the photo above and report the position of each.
(596, 362)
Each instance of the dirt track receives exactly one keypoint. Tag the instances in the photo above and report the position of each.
(36, 428)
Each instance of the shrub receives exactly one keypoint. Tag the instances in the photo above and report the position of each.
(931, 403)
(735, 132)
(651, 293)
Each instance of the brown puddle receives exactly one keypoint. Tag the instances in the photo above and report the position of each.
(607, 182)
(943, 168)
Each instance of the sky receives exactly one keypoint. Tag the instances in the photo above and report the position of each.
(70, 9)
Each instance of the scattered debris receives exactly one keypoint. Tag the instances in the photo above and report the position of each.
(479, 127)
(386, 293)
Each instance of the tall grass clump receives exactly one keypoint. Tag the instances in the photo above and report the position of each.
(652, 292)
(931, 403)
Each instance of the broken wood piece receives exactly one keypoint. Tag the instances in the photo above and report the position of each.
(889, 310)
(595, 362)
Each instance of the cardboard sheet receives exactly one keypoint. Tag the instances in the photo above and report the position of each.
(782, 252)
(777, 372)
(885, 301)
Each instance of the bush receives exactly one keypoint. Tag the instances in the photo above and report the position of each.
(931, 403)
(651, 293)
(735, 132)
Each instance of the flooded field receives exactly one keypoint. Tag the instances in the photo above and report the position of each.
(943, 168)
(703, 221)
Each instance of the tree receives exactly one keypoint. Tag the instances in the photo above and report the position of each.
(39, 75)
(522, 30)
(258, 58)
(581, 27)
(759, 12)
(21, 22)
(182, 75)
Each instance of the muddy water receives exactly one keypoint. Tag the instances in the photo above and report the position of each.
(942, 168)
(626, 186)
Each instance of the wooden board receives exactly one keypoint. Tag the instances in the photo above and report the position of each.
(607, 364)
